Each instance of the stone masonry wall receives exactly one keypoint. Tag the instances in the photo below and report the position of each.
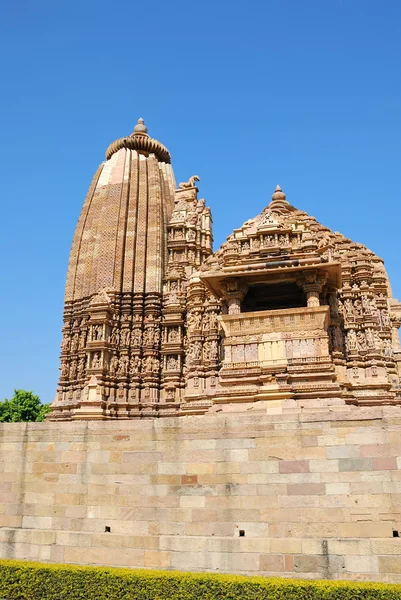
(315, 493)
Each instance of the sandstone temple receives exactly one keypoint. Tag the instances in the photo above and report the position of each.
(236, 411)
(157, 324)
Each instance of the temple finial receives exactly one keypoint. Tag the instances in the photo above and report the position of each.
(140, 127)
(279, 194)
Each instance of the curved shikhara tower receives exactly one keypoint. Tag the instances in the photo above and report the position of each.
(123, 337)
(285, 313)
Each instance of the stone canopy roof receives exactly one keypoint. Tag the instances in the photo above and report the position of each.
(280, 234)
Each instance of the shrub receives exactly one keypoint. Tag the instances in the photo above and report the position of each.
(23, 406)
(36, 581)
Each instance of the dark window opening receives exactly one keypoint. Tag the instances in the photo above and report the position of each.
(107, 529)
(273, 297)
(396, 533)
(242, 532)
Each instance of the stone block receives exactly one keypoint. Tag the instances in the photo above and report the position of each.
(192, 501)
(103, 556)
(309, 489)
(337, 488)
(365, 529)
(167, 468)
(313, 546)
(375, 450)
(361, 564)
(272, 563)
(45, 537)
(361, 547)
(382, 463)
(245, 562)
(294, 466)
(298, 501)
(386, 546)
(373, 435)
(343, 452)
(389, 564)
(355, 464)
(324, 466)
(238, 455)
(157, 559)
(37, 522)
(286, 546)
(201, 468)
(189, 479)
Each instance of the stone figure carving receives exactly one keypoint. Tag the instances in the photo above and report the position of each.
(195, 350)
(361, 340)
(173, 335)
(64, 369)
(385, 318)
(194, 321)
(65, 343)
(172, 363)
(97, 332)
(214, 350)
(123, 365)
(190, 183)
(351, 342)
(349, 309)
(125, 337)
(387, 349)
(370, 339)
(82, 339)
(96, 360)
(113, 365)
(358, 307)
(115, 336)
(149, 335)
(206, 351)
(81, 367)
(377, 340)
(136, 337)
(74, 343)
(135, 365)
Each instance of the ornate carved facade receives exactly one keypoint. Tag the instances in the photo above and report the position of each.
(155, 324)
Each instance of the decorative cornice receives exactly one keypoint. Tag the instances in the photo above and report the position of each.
(142, 143)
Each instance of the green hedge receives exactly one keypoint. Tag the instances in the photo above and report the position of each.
(36, 581)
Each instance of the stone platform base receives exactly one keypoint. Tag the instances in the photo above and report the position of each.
(313, 492)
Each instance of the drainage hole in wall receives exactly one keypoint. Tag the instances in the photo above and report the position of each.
(242, 532)
(107, 529)
(396, 533)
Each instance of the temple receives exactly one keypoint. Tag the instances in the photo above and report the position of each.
(284, 313)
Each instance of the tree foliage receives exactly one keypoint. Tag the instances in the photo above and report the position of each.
(23, 406)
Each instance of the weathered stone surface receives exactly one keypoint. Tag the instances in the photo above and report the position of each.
(276, 360)
(307, 524)
(284, 314)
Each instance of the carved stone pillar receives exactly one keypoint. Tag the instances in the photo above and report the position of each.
(312, 291)
(312, 286)
(234, 291)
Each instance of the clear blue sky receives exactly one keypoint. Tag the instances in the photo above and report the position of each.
(304, 93)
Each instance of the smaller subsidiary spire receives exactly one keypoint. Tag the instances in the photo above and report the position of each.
(140, 128)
